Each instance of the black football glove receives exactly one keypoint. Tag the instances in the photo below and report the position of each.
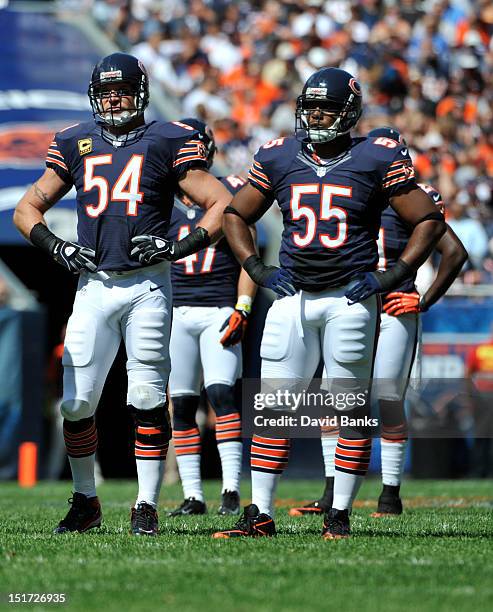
(152, 249)
(68, 254)
(74, 256)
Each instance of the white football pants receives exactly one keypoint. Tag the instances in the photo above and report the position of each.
(135, 306)
(196, 350)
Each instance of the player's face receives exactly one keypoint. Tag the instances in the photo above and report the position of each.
(117, 97)
(318, 116)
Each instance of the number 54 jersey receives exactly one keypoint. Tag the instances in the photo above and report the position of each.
(125, 186)
(331, 208)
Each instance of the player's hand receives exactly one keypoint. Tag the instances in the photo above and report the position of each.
(366, 285)
(399, 303)
(270, 277)
(151, 249)
(279, 280)
(74, 257)
(235, 326)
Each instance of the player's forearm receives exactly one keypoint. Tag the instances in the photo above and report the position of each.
(239, 237)
(26, 216)
(246, 286)
(423, 240)
(454, 256)
(212, 220)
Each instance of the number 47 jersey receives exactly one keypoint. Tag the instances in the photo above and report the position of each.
(331, 208)
(125, 186)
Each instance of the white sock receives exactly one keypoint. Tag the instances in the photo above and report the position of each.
(189, 468)
(264, 486)
(329, 444)
(346, 487)
(150, 477)
(393, 456)
(83, 474)
(230, 453)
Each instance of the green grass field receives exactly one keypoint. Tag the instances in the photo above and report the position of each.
(437, 556)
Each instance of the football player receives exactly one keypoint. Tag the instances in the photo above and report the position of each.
(212, 298)
(397, 343)
(331, 189)
(125, 171)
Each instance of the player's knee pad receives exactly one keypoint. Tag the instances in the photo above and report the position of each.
(146, 396)
(222, 399)
(184, 411)
(152, 432)
(76, 410)
(149, 340)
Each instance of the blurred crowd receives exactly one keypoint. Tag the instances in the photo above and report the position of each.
(425, 68)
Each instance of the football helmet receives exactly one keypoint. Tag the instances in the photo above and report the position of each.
(387, 132)
(130, 78)
(206, 135)
(334, 91)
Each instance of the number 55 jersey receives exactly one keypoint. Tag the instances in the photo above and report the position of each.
(125, 185)
(331, 208)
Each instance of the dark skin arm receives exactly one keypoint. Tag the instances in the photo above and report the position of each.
(412, 205)
(453, 257)
(249, 202)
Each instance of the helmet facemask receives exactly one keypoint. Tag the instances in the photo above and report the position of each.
(114, 115)
(346, 116)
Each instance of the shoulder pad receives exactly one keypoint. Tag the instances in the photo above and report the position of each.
(277, 148)
(175, 129)
(385, 149)
(76, 130)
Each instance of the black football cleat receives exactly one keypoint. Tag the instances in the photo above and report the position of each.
(389, 503)
(336, 525)
(315, 507)
(144, 520)
(230, 503)
(188, 507)
(84, 514)
(252, 524)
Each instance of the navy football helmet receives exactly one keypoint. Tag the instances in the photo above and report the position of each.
(130, 78)
(333, 91)
(387, 132)
(206, 135)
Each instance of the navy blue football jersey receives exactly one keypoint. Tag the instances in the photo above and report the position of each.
(124, 187)
(394, 235)
(331, 208)
(209, 277)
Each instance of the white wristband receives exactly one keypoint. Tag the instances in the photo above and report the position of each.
(244, 302)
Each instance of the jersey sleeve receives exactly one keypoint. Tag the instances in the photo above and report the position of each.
(434, 195)
(258, 175)
(191, 154)
(398, 172)
(56, 161)
(233, 183)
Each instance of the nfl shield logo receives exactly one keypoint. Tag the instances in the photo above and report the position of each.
(321, 171)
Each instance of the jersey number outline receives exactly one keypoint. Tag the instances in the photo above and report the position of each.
(190, 260)
(327, 212)
(126, 187)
